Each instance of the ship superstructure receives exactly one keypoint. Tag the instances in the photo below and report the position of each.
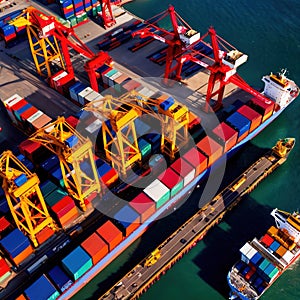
(264, 260)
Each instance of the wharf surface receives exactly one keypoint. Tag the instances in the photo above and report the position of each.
(141, 277)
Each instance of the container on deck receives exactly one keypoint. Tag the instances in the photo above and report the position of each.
(240, 123)
(41, 289)
(197, 159)
(184, 169)
(95, 246)
(158, 192)
(227, 136)
(59, 278)
(77, 263)
(171, 180)
(252, 115)
(264, 107)
(110, 234)
(143, 205)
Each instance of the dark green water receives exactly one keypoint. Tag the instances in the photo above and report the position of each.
(269, 32)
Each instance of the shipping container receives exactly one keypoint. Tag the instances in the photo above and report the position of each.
(253, 116)
(96, 247)
(184, 169)
(171, 180)
(274, 246)
(110, 234)
(44, 235)
(59, 278)
(41, 289)
(240, 123)
(197, 159)
(63, 206)
(69, 217)
(47, 187)
(55, 196)
(128, 218)
(226, 136)
(158, 192)
(77, 263)
(211, 149)
(264, 107)
(40, 121)
(4, 269)
(143, 205)
(108, 175)
(281, 251)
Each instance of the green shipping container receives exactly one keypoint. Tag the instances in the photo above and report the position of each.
(264, 264)
(163, 199)
(273, 273)
(55, 196)
(54, 296)
(94, 11)
(177, 188)
(99, 8)
(47, 188)
(73, 21)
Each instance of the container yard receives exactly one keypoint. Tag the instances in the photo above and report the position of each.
(98, 145)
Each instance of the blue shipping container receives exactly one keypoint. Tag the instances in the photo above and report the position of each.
(41, 289)
(274, 246)
(165, 105)
(50, 163)
(71, 141)
(15, 242)
(126, 216)
(20, 180)
(239, 122)
(256, 259)
(60, 278)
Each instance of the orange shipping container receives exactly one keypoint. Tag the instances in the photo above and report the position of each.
(227, 135)
(211, 148)
(41, 121)
(23, 255)
(21, 297)
(243, 136)
(95, 247)
(143, 205)
(196, 159)
(69, 217)
(111, 234)
(44, 235)
(281, 251)
(251, 115)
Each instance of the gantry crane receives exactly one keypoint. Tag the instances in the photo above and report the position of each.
(107, 14)
(122, 112)
(72, 150)
(50, 41)
(24, 197)
(177, 40)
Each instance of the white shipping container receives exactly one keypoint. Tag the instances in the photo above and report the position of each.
(59, 76)
(83, 94)
(251, 253)
(189, 177)
(11, 101)
(245, 249)
(111, 79)
(288, 256)
(35, 116)
(91, 96)
(94, 126)
(156, 190)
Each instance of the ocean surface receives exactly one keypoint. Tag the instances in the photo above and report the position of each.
(269, 32)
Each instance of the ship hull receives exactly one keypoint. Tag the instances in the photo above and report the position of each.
(89, 275)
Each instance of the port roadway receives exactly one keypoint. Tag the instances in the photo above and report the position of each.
(141, 277)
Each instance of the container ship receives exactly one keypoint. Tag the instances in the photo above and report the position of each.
(62, 220)
(263, 261)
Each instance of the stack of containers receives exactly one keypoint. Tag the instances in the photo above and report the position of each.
(252, 115)
(155, 140)
(211, 149)
(93, 96)
(59, 278)
(4, 209)
(55, 196)
(96, 8)
(107, 77)
(61, 81)
(77, 263)
(197, 159)
(193, 120)
(145, 148)
(95, 246)
(50, 164)
(274, 246)
(102, 71)
(158, 192)
(131, 85)
(184, 169)
(38, 120)
(172, 181)
(110, 234)
(67, 8)
(107, 174)
(41, 289)
(226, 135)
(44, 235)
(264, 107)
(267, 240)
(280, 251)
(9, 103)
(65, 211)
(240, 123)
(17, 246)
(4, 269)
(141, 127)
(8, 32)
(5, 226)
(75, 89)
(26, 162)
(128, 219)
(119, 82)
(143, 205)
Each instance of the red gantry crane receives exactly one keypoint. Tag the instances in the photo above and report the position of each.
(107, 14)
(50, 42)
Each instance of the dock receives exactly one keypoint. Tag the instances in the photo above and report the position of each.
(149, 270)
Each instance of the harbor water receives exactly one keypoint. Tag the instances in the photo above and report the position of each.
(268, 31)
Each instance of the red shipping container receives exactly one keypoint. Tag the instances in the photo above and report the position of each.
(69, 217)
(95, 247)
(28, 113)
(211, 148)
(110, 234)
(169, 178)
(19, 105)
(110, 177)
(249, 274)
(28, 147)
(267, 105)
(193, 120)
(4, 268)
(72, 121)
(267, 240)
(182, 167)
(143, 205)
(197, 159)
(4, 224)
(63, 206)
(227, 135)
(251, 115)
(44, 235)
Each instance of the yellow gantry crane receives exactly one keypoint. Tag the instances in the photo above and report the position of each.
(72, 150)
(24, 197)
(120, 145)
(123, 111)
